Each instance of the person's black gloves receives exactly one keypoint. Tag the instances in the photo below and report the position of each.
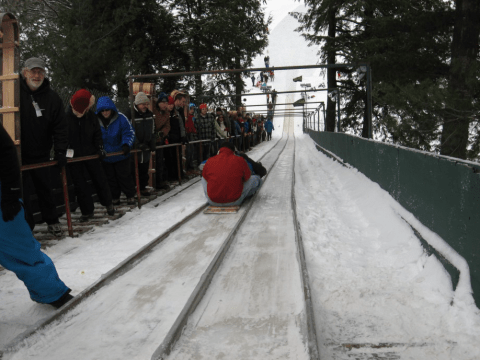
(11, 206)
(102, 154)
(61, 157)
(184, 140)
(153, 145)
(143, 147)
(159, 134)
(125, 149)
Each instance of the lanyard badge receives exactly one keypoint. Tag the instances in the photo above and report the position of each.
(38, 111)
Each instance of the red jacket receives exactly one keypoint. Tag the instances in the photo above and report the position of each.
(189, 125)
(225, 174)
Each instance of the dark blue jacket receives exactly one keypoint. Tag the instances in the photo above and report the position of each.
(117, 133)
(269, 126)
(246, 125)
(238, 129)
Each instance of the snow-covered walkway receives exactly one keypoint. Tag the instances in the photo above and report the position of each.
(374, 288)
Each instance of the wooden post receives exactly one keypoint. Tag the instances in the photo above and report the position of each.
(67, 201)
(10, 79)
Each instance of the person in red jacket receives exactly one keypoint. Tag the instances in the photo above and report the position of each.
(226, 178)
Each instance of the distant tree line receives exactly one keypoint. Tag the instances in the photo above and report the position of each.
(424, 59)
(96, 44)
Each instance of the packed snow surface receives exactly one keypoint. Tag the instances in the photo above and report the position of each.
(375, 292)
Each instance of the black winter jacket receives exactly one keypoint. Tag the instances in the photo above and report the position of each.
(177, 126)
(144, 125)
(9, 166)
(84, 134)
(40, 133)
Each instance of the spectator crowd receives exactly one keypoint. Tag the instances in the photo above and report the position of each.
(95, 127)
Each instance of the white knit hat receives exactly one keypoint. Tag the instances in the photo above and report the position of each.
(141, 98)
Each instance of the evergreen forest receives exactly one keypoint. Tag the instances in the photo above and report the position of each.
(424, 56)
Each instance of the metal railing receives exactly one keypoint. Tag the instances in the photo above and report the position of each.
(63, 174)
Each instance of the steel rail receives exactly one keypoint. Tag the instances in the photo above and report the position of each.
(107, 278)
(265, 93)
(313, 102)
(235, 71)
(310, 314)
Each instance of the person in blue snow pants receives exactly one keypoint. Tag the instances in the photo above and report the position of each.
(19, 250)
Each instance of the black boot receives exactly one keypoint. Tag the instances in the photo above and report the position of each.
(62, 301)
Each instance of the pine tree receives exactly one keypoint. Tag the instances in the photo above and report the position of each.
(408, 49)
(97, 44)
(221, 34)
(463, 85)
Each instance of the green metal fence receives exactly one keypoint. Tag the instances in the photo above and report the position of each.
(442, 193)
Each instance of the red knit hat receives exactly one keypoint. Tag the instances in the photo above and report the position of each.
(171, 101)
(81, 100)
(203, 106)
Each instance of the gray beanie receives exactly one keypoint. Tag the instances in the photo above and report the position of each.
(141, 98)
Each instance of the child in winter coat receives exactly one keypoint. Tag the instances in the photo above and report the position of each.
(118, 135)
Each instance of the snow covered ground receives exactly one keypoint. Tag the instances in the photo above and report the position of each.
(375, 292)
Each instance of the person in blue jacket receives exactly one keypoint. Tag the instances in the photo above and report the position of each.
(268, 128)
(19, 251)
(118, 135)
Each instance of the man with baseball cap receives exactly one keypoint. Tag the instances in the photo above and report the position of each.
(43, 125)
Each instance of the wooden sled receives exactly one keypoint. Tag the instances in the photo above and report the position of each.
(221, 210)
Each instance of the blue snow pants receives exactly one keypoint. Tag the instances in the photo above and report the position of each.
(20, 253)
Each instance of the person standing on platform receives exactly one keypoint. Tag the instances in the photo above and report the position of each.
(19, 251)
(191, 133)
(269, 128)
(43, 125)
(117, 135)
(162, 128)
(206, 129)
(85, 139)
(176, 135)
(144, 124)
